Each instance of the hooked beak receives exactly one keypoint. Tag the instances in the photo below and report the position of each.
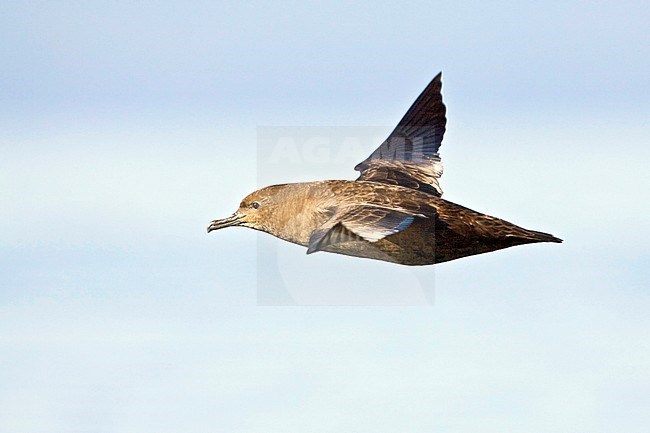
(233, 220)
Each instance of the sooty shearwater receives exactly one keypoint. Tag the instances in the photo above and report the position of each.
(393, 211)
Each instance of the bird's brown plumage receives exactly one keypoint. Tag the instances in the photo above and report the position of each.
(393, 211)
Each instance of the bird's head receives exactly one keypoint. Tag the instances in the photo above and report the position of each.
(255, 211)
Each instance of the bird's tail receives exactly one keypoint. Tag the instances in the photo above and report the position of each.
(535, 236)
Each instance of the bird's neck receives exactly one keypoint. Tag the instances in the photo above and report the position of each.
(305, 210)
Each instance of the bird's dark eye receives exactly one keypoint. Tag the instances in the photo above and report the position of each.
(255, 205)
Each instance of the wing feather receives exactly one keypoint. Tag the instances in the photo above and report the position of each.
(368, 223)
(409, 156)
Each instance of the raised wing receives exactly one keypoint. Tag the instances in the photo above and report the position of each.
(369, 223)
(409, 156)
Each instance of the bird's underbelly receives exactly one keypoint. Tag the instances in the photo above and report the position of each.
(425, 242)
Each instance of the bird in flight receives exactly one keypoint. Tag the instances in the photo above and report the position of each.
(393, 212)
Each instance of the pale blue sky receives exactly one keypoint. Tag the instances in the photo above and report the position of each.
(125, 127)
